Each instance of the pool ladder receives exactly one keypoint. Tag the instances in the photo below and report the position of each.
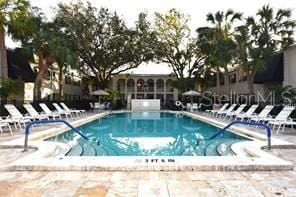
(268, 130)
(28, 127)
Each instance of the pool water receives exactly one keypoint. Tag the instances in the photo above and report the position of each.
(148, 134)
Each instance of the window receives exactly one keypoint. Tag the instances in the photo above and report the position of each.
(140, 85)
(67, 96)
(76, 82)
(68, 80)
(121, 85)
(232, 78)
(169, 85)
(222, 80)
(130, 85)
(150, 85)
(47, 75)
(159, 85)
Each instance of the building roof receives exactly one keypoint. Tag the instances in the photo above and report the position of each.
(273, 71)
(19, 67)
(146, 75)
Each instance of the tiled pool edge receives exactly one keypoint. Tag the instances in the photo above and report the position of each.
(43, 159)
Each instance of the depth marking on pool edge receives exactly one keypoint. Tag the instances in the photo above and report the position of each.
(151, 160)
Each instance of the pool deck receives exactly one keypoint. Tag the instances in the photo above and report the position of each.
(147, 183)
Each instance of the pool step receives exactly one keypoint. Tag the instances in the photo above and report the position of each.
(89, 150)
(211, 150)
(224, 148)
(76, 150)
(100, 151)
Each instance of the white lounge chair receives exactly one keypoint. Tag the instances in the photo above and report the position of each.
(76, 111)
(17, 116)
(50, 113)
(92, 106)
(61, 111)
(194, 107)
(280, 124)
(214, 111)
(263, 114)
(236, 112)
(188, 106)
(32, 112)
(281, 118)
(5, 123)
(249, 112)
(98, 106)
(228, 110)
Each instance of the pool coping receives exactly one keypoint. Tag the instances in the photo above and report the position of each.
(50, 155)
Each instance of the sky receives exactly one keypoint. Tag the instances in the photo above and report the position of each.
(196, 9)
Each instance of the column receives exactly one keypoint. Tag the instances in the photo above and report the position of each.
(164, 90)
(155, 87)
(125, 89)
(135, 91)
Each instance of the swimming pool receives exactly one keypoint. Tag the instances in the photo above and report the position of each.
(148, 134)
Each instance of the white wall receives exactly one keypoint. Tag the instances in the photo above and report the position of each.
(290, 66)
(145, 104)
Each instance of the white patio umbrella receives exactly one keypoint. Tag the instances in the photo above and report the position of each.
(191, 93)
(99, 93)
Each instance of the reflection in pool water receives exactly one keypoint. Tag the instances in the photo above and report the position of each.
(149, 134)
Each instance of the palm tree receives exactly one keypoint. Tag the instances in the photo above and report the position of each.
(65, 58)
(39, 39)
(11, 14)
(207, 46)
(261, 37)
(223, 34)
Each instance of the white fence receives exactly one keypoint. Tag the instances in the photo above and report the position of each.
(145, 104)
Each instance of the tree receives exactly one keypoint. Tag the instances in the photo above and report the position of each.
(38, 38)
(8, 88)
(175, 46)
(223, 46)
(12, 13)
(105, 45)
(261, 37)
(65, 56)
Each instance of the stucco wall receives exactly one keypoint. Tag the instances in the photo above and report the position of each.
(290, 66)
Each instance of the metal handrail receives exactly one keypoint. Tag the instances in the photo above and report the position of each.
(268, 130)
(27, 132)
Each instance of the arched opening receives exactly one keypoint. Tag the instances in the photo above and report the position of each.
(150, 85)
(169, 85)
(130, 85)
(160, 85)
(121, 85)
(140, 85)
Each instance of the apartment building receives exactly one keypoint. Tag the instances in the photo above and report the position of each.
(20, 69)
(145, 86)
(279, 70)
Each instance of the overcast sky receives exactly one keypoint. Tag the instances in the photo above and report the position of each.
(196, 9)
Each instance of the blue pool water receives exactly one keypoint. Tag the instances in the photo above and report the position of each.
(148, 134)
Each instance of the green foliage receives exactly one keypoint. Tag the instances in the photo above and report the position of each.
(216, 42)
(9, 88)
(175, 46)
(12, 10)
(262, 36)
(105, 45)
(113, 95)
(284, 93)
